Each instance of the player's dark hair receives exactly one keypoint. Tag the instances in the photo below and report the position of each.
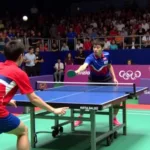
(98, 42)
(13, 50)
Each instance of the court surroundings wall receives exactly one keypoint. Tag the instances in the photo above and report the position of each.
(119, 57)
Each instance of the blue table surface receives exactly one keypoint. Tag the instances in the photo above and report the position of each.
(94, 95)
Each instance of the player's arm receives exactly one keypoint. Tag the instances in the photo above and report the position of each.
(111, 69)
(84, 66)
(12, 103)
(112, 72)
(37, 101)
(26, 88)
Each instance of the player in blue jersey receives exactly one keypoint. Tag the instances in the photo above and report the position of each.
(101, 70)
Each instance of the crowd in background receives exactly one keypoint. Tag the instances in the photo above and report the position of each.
(119, 29)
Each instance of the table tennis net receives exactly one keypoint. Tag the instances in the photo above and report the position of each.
(83, 87)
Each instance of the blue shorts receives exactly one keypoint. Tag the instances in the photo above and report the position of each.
(9, 123)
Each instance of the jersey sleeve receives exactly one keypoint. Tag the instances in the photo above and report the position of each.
(88, 60)
(23, 83)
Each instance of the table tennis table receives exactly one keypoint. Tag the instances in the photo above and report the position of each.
(90, 99)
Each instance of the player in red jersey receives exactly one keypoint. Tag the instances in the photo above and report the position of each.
(13, 78)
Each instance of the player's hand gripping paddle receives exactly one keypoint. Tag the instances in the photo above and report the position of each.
(71, 73)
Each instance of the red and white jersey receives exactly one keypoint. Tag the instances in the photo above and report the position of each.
(12, 78)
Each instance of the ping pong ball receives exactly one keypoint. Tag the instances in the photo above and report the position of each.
(25, 18)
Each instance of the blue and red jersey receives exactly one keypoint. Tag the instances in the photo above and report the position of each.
(99, 66)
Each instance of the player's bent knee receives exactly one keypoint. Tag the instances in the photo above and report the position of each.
(20, 130)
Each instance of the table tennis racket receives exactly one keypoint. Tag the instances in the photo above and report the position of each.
(71, 73)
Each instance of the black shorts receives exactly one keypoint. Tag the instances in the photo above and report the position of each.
(105, 80)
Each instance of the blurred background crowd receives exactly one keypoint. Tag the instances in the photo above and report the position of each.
(120, 29)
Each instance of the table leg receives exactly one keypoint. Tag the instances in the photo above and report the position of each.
(93, 130)
(32, 122)
(124, 118)
(110, 118)
(72, 122)
(56, 120)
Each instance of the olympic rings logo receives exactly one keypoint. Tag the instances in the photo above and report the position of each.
(126, 75)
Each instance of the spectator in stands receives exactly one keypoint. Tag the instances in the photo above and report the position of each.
(113, 31)
(94, 34)
(146, 40)
(64, 47)
(105, 31)
(41, 46)
(132, 43)
(29, 60)
(87, 45)
(39, 60)
(119, 40)
(140, 31)
(54, 47)
(145, 25)
(78, 28)
(71, 35)
(46, 46)
(129, 62)
(18, 35)
(61, 29)
(59, 70)
(69, 60)
(79, 44)
(94, 23)
(113, 45)
(33, 41)
(89, 30)
(58, 36)
(53, 31)
(120, 25)
(11, 35)
(106, 44)
(80, 57)
(124, 32)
